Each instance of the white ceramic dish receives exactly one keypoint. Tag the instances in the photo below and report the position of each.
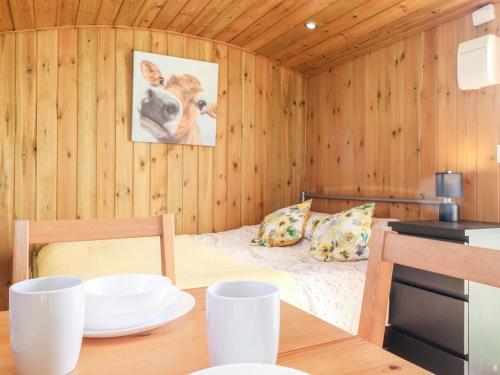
(135, 293)
(127, 319)
(179, 307)
(249, 369)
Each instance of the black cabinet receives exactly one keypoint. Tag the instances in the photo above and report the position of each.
(432, 317)
(425, 355)
(431, 281)
(429, 314)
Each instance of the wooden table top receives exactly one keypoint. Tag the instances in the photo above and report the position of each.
(306, 343)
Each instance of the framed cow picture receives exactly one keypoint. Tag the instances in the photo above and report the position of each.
(174, 100)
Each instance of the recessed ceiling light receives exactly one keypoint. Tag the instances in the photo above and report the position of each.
(311, 25)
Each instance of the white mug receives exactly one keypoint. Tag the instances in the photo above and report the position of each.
(46, 324)
(243, 322)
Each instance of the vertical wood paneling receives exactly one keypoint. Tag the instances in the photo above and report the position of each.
(65, 134)
(384, 109)
(298, 162)
(87, 123)
(399, 65)
(234, 137)
(220, 201)
(206, 163)
(287, 95)
(159, 152)
(312, 134)
(359, 126)
(105, 137)
(124, 146)
(273, 145)
(190, 165)
(142, 150)
(428, 120)
(326, 109)
(411, 104)
(26, 147)
(415, 121)
(46, 125)
(371, 131)
(248, 139)
(466, 123)
(175, 159)
(346, 116)
(67, 124)
(331, 153)
(7, 145)
(447, 88)
(261, 136)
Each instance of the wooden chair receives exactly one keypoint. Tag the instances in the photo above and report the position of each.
(451, 259)
(28, 232)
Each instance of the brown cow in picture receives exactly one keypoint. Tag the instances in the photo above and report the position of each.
(172, 104)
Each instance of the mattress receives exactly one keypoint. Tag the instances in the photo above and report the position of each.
(332, 291)
(196, 264)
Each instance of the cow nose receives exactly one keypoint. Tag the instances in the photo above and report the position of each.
(171, 109)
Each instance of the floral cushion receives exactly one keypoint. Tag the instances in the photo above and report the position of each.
(312, 222)
(283, 227)
(343, 237)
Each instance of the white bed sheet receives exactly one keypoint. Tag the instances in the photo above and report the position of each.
(332, 291)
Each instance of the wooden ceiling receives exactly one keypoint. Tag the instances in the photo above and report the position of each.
(274, 28)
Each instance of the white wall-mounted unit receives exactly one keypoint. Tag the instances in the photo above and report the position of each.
(478, 62)
(483, 15)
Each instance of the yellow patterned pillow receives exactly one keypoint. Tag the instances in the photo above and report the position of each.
(343, 237)
(312, 222)
(283, 227)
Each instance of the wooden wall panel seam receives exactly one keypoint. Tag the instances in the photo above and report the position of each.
(67, 109)
(8, 126)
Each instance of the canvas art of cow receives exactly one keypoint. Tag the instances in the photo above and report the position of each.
(172, 106)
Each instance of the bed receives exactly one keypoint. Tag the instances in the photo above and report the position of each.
(332, 291)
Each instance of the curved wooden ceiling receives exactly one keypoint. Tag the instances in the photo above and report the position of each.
(273, 28)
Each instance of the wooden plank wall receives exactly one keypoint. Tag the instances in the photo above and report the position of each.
(383, 124)
(65, 149)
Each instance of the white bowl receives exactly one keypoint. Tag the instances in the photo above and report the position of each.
(249, 369)
(126, 319)
(125, 294)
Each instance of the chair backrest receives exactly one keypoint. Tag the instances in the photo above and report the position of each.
(28, 232)
(446, 258)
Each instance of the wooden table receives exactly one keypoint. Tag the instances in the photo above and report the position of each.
(306, 343)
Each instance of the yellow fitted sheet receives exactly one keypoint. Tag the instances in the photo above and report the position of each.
(196, 264)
